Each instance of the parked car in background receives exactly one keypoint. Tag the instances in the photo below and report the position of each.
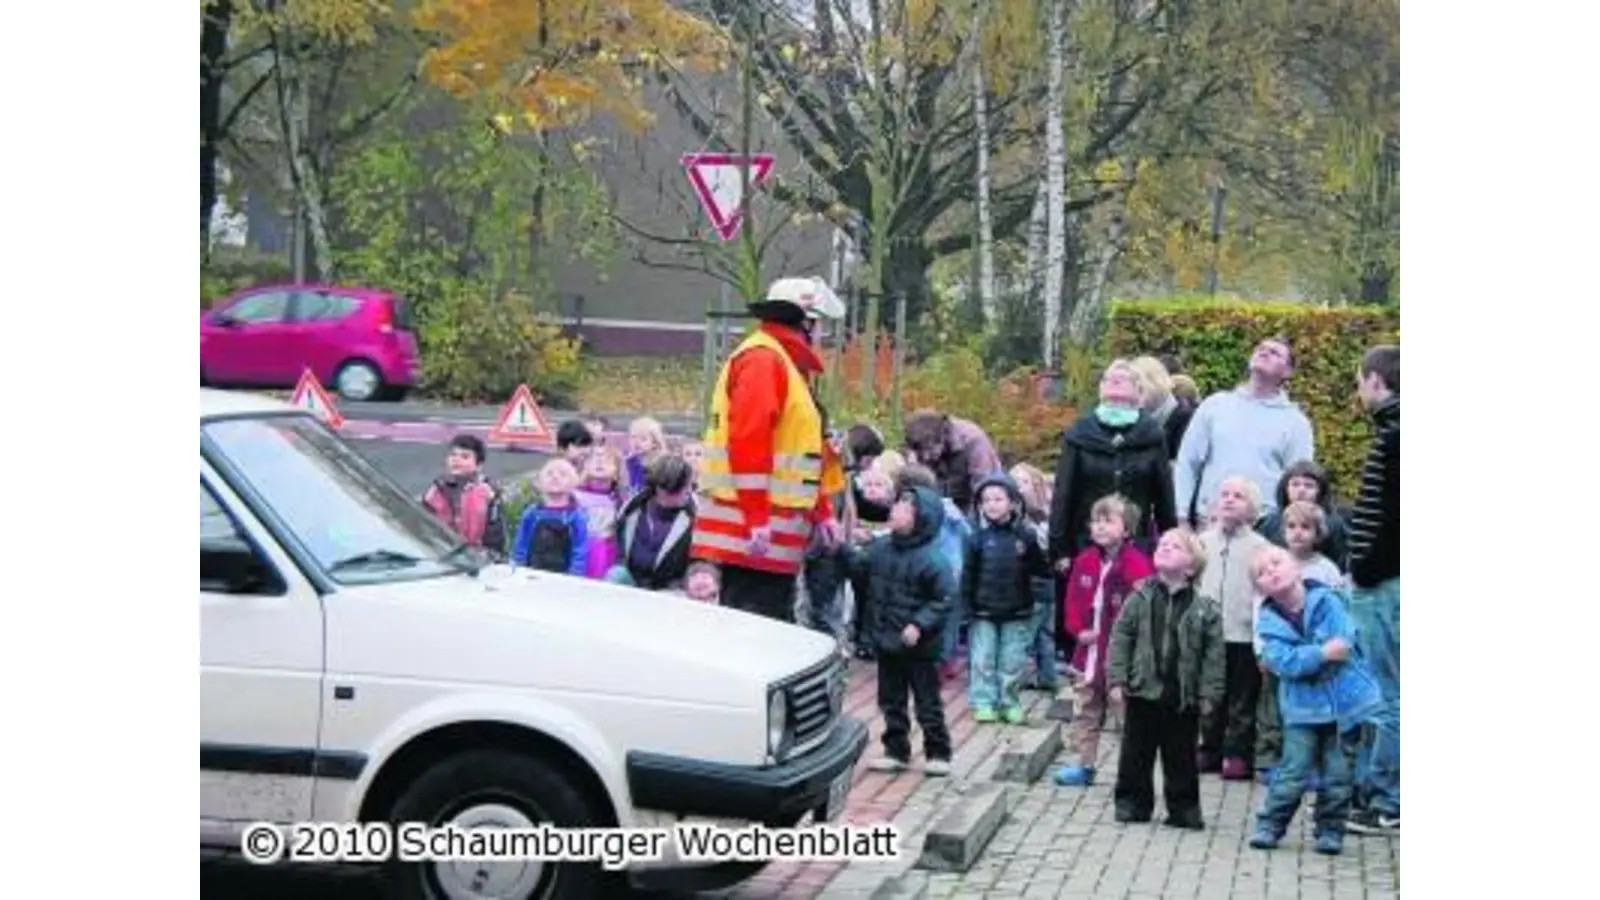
(359, 341)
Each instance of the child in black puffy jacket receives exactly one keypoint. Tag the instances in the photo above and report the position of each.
(1003, 557)
(911, 590)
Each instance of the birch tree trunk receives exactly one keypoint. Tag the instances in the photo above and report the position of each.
(980, 118)
(293, 117)
(1055, 173)
(1033, 252)
(1086, 313)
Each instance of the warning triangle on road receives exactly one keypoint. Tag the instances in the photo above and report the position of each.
(522, 422)
(718, 180)
(311, 396)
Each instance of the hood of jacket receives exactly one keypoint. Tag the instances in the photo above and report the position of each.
(929, 519)
(1018, 505)
(1089, 433)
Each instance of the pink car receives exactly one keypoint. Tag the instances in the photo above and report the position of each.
(357, 340)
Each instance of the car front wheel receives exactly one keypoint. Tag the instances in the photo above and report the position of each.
(496, 789)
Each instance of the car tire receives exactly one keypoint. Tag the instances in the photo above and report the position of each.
(497, 788)
(359, 381)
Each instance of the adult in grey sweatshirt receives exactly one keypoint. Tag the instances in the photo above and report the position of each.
(1253, 431)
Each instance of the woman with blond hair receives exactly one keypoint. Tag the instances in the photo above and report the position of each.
(1117, 448)
(1171, 412)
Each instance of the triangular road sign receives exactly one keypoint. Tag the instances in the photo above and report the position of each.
(310, 395)
(522, 422)
(718, 178)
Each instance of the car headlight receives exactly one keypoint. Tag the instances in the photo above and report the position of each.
(777, 721)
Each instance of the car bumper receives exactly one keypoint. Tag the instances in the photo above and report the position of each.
(773, 795)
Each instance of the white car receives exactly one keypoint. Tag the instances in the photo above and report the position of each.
(358, 664)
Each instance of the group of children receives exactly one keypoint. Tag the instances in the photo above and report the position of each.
(597, 514)
(1227, 651)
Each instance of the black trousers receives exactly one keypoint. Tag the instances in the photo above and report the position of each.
(861, 626)
(763, 593)
(902, 677)
(1230, 730)
(1152, 728)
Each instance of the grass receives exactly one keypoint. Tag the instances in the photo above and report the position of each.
(627, 384)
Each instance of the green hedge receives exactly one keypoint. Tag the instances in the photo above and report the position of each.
(1214, 340)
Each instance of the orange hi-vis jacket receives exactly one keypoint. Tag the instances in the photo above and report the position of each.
(766, 460)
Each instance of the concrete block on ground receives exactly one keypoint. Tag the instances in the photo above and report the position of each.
(1030, 753)
(959, 837)
(909, 885)
(1060, 710)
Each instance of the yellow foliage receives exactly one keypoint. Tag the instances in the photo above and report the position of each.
(560, 61)
(352, 21)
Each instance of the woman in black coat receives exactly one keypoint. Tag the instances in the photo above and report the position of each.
(1116, 449)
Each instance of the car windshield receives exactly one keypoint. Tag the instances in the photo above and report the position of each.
(356, 525)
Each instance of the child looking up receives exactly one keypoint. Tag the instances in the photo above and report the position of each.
(554, 534)
(1228, 736)
(1166, 666)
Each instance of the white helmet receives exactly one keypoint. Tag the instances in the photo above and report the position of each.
(811, 295)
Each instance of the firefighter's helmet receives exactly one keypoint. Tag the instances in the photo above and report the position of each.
(812, 296)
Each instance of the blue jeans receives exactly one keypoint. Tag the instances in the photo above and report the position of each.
(1043, 648)
(1308, 748)
(997, 653)
(950, 641)
(1376, 612)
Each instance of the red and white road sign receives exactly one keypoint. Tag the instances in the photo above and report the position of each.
(310, 395)
(522, 422)
(718, 180)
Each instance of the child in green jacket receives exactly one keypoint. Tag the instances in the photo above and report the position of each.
(1166, 665)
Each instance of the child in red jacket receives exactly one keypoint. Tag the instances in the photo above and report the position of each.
(1102, 576)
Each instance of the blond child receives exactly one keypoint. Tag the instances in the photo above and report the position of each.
(646, 441)
(554, 534)
(1166, 668)
(1305, 527)
(1103, 575)
(1227, 740)
(1036, 492)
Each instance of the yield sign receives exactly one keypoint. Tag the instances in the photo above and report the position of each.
(717, 178)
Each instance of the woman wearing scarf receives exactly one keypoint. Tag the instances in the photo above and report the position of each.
(1116, 449)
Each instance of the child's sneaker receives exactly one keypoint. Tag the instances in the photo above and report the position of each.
(1014, 715)
(1370, 821)
(936, 768)
(1075, 776)
(886, 764)
(1264, 838)
(1234, 769)
(984, 714)
(1330, 843)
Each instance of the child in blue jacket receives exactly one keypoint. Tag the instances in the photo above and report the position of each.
(1324, 692)
(554, 533)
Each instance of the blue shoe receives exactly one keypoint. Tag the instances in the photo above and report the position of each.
(1075, 776)
(1330, 843)
(1264, 838)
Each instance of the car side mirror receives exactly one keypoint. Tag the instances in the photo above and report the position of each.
(229, 565)
(223, 320)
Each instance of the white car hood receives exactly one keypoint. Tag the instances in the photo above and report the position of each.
(531, 629)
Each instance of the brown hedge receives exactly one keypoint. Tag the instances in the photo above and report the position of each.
(1214, 339)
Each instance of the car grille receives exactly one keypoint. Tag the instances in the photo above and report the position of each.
(816, 699)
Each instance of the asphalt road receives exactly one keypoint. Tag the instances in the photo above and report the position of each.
(414, 465)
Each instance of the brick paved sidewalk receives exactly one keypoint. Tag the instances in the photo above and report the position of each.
(1062, 842)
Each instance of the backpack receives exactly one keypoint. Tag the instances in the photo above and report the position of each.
(550, 550)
